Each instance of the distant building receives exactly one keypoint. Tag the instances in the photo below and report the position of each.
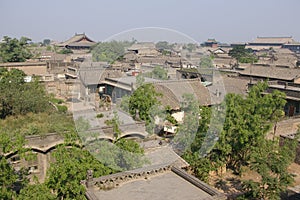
(275, 73)
(294, 47)
(91, 78)
(29, 68)
(269, 42)
(210, 43)
(238, 44)
(78, 42)
(144, 49)
(292, 92)
(172, 90)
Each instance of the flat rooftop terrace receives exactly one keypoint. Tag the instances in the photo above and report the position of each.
(167, 186)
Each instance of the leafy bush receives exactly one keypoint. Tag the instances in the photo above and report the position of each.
(109, 51)
(100, 115)
(62, 109)
(57, 101)
(65, 51)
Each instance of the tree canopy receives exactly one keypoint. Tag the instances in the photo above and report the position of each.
(271, 162)
(18, 97)
(164, 45)
(247, 122)
(70, 167)
(141, 101)
(14, 50)
(243, 143)
(109, 51)
(157, 73)
(206, 62)
(160, 73)
(190, 47)
(243, 55)
(36, 191)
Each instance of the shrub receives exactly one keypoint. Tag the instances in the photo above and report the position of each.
(62, 109)
(100, 115)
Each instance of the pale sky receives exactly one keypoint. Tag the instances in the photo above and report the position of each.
(225, 20)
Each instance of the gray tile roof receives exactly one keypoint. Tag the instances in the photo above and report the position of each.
(235, 84)
(272, 40)
(272, 72)
(174, 90)
(76, 39)
(142, 45)
(93, 75)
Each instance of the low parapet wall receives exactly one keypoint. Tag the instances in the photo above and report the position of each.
(115, 180)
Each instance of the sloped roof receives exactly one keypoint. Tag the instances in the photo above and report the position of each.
(211, 40)
(283, 51)
(288, 127)
(78, 39)
(235, 85)
(174, 90)
(273, 40)
(142, 45)
(272, 72)
(261, 47)
(81, 44)
(93, 75)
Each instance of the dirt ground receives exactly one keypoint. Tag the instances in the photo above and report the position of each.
(231, 184)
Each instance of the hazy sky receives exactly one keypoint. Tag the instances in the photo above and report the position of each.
(224, 20)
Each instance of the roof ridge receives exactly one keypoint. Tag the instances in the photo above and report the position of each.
(274, 36)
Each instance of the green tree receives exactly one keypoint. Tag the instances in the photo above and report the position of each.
(271, 162)
(14, 50)
(206, 62)
(142, 99)
(8, 178)
(130, 154)
(246, 124)
(157, 111)
(46, 42)
(122, 155)
(115, 124)
(124, 105)
(200, 167)
(109, 51)
(243, 55)
(163, 45)
(187, 130)
(159, 73)
(190, 47)
(36, 191)
(70, 167)
(18, 97)
(140, 80)
(65, 51)
(204, 123)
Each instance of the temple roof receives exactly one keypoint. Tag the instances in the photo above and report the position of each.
(78, 40)
(273, 40)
